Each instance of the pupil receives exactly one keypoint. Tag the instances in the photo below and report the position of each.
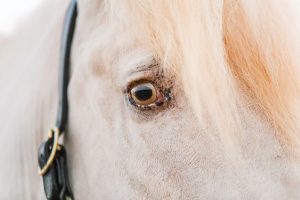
(143, 93)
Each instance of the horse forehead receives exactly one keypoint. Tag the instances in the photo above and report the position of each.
(108, 47)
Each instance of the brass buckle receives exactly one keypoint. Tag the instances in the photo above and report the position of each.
(54, 132)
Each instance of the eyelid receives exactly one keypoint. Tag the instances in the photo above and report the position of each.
(145, 68)
(138, 76)
(140, 81)
(131, 63)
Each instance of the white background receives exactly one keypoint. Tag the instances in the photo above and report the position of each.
(11, 11)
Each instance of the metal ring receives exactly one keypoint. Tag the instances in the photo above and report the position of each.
(55, 145)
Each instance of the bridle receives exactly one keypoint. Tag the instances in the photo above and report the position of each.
(52, 156)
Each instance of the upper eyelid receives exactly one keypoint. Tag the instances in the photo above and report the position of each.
(141, 73)
(137, 77)
(145, 68)
(133, 61)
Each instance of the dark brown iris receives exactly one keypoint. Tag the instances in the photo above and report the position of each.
(144, 94)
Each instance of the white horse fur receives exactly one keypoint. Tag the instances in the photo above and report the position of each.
(231, 130)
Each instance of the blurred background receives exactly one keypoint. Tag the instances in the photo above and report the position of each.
(12, 11)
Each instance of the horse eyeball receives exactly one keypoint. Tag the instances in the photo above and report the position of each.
(144, 94)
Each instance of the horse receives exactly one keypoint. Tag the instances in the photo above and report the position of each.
(190, 99)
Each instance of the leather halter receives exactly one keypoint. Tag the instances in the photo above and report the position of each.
(52, 156)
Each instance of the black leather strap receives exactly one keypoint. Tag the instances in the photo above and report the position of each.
(53, 156)
(67, 38)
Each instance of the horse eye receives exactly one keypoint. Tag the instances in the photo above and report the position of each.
(144, 94)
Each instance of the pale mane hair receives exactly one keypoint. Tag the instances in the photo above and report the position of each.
(220, 48)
